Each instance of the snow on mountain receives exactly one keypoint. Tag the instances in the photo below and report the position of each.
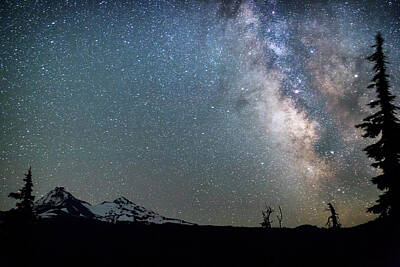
(122, 209)
(60, 202)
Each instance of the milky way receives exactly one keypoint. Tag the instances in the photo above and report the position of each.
(199, 110)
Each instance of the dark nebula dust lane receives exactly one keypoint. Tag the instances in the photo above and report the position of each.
(199, 110)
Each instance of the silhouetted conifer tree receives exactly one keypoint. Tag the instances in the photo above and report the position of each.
(25, 205)
(385, 125)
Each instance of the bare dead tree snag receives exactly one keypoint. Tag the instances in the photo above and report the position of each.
(333, 220)
(280, 217)
(266, 214)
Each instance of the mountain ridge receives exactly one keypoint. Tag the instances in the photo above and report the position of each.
(59, 202)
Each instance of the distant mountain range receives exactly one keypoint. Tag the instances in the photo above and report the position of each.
(59, 202)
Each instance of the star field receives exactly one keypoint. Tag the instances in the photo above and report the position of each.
(198, 110)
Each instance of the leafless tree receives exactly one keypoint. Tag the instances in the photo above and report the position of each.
(280, 217)
(266, 214)
(333, 220)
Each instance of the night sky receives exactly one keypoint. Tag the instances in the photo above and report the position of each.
(199, 110)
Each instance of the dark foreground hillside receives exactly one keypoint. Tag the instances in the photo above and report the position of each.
(72, 242)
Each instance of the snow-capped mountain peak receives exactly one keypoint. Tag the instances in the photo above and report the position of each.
(60, 202)
(55, 197)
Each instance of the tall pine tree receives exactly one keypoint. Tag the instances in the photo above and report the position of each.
(385, 126)
(25, 195)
